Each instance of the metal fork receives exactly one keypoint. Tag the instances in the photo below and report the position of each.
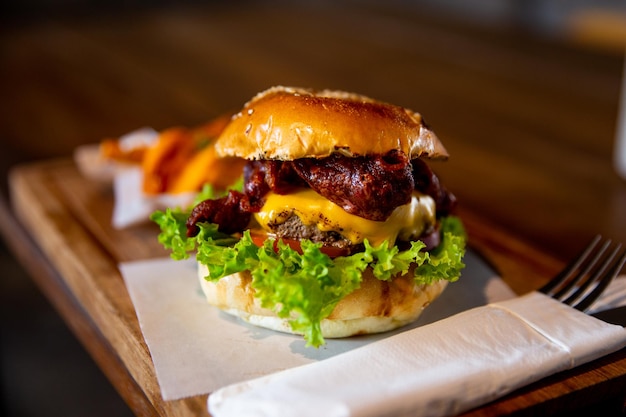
(584, 279)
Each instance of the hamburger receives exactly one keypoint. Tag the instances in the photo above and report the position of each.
(339, 227)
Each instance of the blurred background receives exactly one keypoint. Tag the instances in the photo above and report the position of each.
(77, 71)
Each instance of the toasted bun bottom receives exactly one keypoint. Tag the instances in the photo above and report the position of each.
(377, 306)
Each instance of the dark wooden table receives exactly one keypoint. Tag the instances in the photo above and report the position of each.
(529, 122)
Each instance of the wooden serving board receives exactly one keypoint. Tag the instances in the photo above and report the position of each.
(68, 218)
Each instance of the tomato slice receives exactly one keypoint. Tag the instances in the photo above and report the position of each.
(259, 238)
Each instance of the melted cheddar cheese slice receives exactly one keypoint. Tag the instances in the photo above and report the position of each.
(406, 222)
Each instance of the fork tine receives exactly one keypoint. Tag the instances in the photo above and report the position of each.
(583, 280)
(575, 282)
(561, 278)
(582, 299)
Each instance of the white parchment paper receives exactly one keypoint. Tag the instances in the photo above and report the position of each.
(197, 349)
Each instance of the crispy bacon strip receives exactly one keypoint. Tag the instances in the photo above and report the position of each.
(232, 214)
(260, 177)
(368, 187)
(427, 182)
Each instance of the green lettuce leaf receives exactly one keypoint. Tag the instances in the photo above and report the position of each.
(173, 234)
(305, 288)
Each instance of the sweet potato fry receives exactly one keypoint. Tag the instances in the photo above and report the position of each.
(163, 161)
(181, 160)
(206, 167)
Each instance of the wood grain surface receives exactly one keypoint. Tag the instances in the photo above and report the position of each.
(529, 121)
(68, 217)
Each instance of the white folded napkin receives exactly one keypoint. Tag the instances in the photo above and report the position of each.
(440, 369)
